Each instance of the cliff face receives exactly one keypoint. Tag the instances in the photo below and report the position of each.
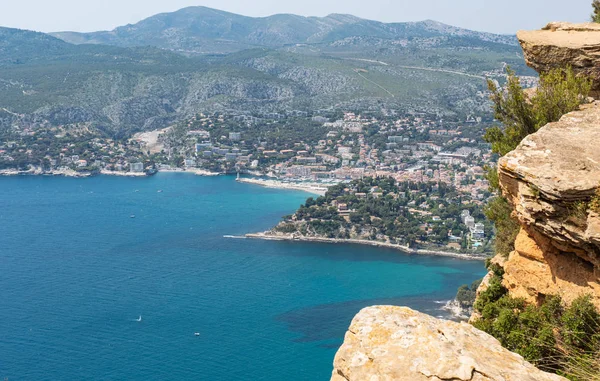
(550, 179)
(562, 44)
(396, 343)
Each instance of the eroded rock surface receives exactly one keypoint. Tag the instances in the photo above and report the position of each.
(550, 179)
(387, 343)
(563, 44)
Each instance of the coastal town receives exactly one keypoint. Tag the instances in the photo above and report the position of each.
(296, 150)
(341, 146)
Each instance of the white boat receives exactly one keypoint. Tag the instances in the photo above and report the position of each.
(139, 319)
(132, 216)
(196, 333)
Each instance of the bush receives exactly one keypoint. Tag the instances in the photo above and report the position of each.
(595, 201)
(466, 294)
(555, 338)
(596, 13)
(499, 211)
(286, 228)
(560, 91)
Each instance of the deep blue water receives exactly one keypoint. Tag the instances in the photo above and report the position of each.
(76, 271)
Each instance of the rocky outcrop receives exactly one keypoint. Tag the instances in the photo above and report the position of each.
(396, 343)
(550, 179)
(563, 44)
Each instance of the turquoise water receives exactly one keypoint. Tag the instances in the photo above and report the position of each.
(76, 272)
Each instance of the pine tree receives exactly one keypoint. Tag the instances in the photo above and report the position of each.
(596, 14)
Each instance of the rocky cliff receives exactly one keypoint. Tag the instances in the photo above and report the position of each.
(550, 179)
(396, 343)
(563, 44)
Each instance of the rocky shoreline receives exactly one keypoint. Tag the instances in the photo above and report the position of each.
(405, 249)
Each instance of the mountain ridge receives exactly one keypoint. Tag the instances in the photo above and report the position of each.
(200, 30)
(163, 76)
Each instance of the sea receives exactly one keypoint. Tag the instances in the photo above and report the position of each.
(115, 278)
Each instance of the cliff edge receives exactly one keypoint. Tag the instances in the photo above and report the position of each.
(550, 180)
(562, 44)
(396, 343)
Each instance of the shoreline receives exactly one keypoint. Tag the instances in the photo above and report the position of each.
(195, 171)
(104, 172)
(313, 188)
(405, 249)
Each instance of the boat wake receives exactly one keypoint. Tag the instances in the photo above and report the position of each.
(234, 236)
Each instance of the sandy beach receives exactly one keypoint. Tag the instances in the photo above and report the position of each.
(405, 249)
(120, 173)
(195, 171)
(313, 188)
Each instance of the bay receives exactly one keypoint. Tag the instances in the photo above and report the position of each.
(81, 260)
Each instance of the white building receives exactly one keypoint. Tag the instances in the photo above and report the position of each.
(136, 167)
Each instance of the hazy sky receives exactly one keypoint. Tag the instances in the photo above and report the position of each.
(500, 16)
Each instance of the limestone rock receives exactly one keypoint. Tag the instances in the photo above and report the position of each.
(387, 343)
(562, 44)
(549, 178)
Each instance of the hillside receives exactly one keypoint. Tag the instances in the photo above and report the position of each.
(123, 81)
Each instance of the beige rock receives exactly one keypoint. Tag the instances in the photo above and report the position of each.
(549, 173)
(536, 269)
(387, 343)
(546, 178)
(562, 44)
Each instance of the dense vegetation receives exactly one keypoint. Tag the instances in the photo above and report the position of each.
(381, 209)
(561, 339)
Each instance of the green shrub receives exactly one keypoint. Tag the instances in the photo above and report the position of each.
(492, 294)
(560, 91)
(555, 338)
(595, 201)
(596, 13)
(578, 212)
(466, 294)
(286, 228)
(499, 211)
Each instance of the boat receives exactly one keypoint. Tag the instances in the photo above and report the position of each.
(139, 319)
(159, 191)
(132, 216)
(196, 333)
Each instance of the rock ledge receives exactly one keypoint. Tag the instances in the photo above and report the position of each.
(563, 44)
(387, 343)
